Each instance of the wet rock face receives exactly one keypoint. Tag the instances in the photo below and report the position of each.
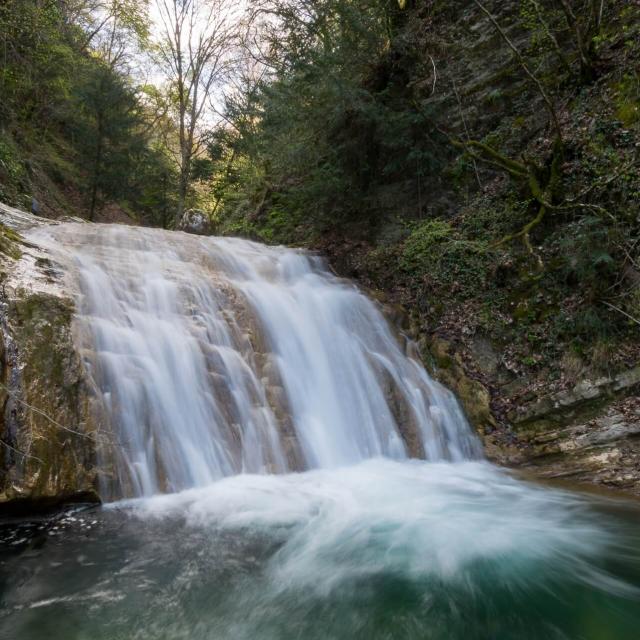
(47, 433)
(588, 434)
(49, 420)
(474, 397)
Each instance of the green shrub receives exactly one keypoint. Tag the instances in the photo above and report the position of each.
(439, 252)
(12, 173)
(424, 242)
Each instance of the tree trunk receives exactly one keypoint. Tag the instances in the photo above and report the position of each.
(97, 164)
(183, 186)
(185, 159)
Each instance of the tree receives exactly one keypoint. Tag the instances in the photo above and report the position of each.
(322, 113)
(107, 131)
(110, 28)
(194, 50)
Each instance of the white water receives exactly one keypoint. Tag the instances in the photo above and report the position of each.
(441, 522)
(218, 356)
(380, 550)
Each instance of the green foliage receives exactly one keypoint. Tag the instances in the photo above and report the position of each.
(425, 242)
(588, 255)
(491, 220)
(277, 226)
(70, 113)
(12, 173)
(627, 97)
(439, 252)
(334, 119)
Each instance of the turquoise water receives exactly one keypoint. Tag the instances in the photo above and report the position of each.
(381, 550)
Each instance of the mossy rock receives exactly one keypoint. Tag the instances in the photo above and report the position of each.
(473, 395)
(9, 242)
(50, 420)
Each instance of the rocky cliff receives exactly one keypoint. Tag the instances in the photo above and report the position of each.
(47, 432)
(588, 432)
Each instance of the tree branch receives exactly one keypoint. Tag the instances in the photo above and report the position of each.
(525, 67)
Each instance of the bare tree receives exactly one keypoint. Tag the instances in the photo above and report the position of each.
(194, 50)
(585, 21)
(112, 28)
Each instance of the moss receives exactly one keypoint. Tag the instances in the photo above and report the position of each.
(53, 403)
(9, 241)
(42, 319)
(473, 396)
(439, 351)
(627, 99)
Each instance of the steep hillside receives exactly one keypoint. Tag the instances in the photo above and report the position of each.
(487, 178)
(79, 133)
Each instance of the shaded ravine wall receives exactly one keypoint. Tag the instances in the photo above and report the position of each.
(588, 433)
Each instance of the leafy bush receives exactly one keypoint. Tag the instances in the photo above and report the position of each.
(439, 252)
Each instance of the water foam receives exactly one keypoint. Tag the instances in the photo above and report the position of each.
(419, 521)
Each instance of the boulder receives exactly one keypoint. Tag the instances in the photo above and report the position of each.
(195, 221)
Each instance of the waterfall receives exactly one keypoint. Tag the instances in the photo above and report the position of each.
(217, 356)
(293, 471)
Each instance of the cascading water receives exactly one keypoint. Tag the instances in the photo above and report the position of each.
(218, 356)
(274, 412)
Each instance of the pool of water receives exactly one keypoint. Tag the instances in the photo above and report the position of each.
(380, 550)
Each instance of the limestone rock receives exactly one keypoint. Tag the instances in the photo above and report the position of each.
(195, 221)
(474, 397)
(602, 450)
(47, 430)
